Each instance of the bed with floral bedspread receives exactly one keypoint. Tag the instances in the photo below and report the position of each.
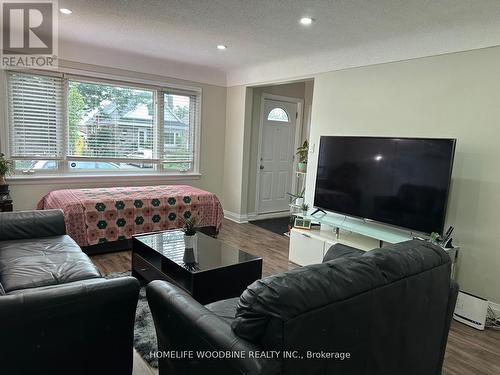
(100, 215)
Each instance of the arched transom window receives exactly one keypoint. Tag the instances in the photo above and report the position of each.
(278, 114)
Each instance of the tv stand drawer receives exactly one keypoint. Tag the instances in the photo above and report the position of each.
(305, 249)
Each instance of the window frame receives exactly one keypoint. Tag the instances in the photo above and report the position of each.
(63, 171)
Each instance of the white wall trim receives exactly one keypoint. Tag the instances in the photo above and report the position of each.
(237, 218)
(271, 215)
(122, 177)
(282, 98)
(252, 216)
(244, 218)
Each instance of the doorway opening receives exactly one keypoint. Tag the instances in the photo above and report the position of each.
(280, 123)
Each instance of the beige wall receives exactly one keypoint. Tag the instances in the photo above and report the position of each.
(308, 99)
(213, 123)
(237, 146)
(456, 95)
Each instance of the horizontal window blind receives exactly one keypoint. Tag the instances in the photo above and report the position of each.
(36, 111)
(181, 116)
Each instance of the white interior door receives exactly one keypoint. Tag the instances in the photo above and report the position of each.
(277, 150)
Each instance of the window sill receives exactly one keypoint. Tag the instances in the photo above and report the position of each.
(68, 179)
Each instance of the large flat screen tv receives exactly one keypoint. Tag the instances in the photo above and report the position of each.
(402, 182)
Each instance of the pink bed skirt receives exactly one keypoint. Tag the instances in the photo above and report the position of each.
(109, 214)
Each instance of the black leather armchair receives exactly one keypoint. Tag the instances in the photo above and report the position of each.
(57, 314)
(390, 309)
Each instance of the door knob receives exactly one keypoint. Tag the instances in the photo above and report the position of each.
(261, 167)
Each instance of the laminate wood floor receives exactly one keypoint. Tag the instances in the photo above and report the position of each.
(469, 352)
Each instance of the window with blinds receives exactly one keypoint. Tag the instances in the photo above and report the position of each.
(70, 124)
(36, 114)
(180, 118)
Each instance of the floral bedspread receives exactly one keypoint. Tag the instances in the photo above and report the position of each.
(108, 214)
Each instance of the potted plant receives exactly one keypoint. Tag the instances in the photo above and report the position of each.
(435, 237)
(305, 208)
(296, 199)
(189, 229)
(6, 168)
(302, 153)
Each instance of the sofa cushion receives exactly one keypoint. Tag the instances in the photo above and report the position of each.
(2, 291)
(267, 304)
(38, 246)
(42, 262)
(225, 309)
(19, 225)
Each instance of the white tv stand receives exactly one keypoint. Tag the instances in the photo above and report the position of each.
(310, 246)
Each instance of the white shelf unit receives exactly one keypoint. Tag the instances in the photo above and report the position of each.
(310, 246)
(300, 187)
(370, 229)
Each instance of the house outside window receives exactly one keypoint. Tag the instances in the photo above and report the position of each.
(64, 124)
(170, 139)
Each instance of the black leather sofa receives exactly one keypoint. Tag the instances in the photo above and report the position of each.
(57, 314)
(389, 308)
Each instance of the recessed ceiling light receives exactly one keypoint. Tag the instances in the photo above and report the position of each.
(306, 20)
(65, 11)
(222, 47)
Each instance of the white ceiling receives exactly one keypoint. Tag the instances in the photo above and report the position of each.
(266, 42)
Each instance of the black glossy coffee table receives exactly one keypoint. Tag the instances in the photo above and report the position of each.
(211, 272)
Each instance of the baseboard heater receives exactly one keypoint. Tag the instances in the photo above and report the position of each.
(471, 310)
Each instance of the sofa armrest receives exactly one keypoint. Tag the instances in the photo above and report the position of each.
(31, 224)
(183, 324)
(340, 251)
(83, 327)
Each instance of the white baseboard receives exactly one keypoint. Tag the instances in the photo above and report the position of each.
(237, 218)
(271, 215)
(252, 216)
(244, 218)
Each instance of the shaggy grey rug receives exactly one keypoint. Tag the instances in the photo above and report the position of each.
(144, 328)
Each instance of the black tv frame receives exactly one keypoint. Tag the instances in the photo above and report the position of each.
(412, 230)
